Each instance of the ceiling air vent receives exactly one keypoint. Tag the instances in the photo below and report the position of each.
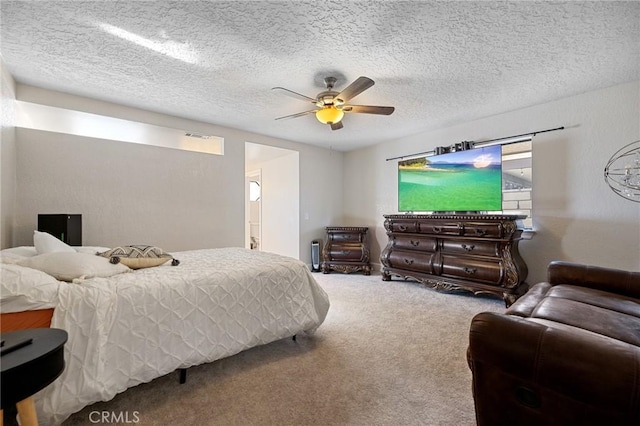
(197, 135)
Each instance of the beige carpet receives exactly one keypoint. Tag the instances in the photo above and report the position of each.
(389, 353)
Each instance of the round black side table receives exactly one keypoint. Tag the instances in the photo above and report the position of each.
(30, 360)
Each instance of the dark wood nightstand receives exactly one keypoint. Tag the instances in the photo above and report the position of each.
(31, 360)
(346, 250)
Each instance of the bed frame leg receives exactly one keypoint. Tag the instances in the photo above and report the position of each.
(183, 375)
(293, 338)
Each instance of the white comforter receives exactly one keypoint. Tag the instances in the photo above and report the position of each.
(134, 327)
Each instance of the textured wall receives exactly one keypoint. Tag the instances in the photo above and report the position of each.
(135, 194)
(576, 216)
(7, 157)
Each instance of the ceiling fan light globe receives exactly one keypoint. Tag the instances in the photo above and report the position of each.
(329, 115)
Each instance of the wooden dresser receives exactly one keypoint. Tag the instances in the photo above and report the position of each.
(478, 253)
(346, 250)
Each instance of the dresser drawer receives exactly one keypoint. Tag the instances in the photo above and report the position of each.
(475, 247)
(413, 261)
(472, 269)
(346, 252)
(346, 237)
(414, 242)
(483, 230)
(404, 226)
(441, 228)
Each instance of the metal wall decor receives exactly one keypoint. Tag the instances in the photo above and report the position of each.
(622, 172)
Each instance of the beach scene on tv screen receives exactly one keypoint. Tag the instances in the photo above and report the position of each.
(468, 180)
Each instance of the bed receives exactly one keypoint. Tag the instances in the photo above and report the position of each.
(135, 326)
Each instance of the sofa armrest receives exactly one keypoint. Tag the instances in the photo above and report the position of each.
(539, 373)
(626, 283)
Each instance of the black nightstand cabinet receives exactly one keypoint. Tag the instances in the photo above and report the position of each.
(66, 227)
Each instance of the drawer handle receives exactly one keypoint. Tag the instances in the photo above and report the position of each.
(469, 271)
(468, 247)
(481, 232)
(408, 261)
(402, 227)
(415, 243)
(437, 229)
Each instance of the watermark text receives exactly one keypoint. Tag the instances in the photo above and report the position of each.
(114, 417)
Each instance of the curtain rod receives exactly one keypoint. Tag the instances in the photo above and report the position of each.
(532, 134)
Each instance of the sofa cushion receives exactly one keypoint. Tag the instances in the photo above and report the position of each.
(608, 314)
(626, 283)
(603, 299)
(524, 306)
(607, 322)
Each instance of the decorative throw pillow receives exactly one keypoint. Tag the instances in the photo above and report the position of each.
(47, 243)
(137, 257)
(66, 266)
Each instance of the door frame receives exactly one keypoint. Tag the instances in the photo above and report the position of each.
(252, 175)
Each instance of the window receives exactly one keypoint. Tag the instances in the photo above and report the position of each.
(254, 190)
(517, 180)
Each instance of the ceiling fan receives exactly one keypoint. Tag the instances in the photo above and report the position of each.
(331, 105)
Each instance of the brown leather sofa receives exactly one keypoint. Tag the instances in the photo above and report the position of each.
(565, 353)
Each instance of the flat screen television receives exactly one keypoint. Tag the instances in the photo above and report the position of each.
(461, 181)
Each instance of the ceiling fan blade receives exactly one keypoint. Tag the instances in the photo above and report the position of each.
(354, 89)
(337, 126)
(294, 94)
(300, 114)
(367, 109)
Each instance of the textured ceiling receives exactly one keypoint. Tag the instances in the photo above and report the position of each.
(438, 63)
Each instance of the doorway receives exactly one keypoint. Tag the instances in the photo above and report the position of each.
(279, 203)
(253, 209)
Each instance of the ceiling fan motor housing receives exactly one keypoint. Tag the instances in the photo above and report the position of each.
(327, 98)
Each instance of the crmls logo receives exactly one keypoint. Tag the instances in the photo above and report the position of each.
(113, 417)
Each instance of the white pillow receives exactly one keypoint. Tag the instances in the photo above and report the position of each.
(70, 266)
(47, 243)
(12, 255)
(22, 251)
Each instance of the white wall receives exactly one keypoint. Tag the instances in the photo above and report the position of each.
(7, 156)
(322, 189)
(576, 216)
(128, 193)
(136, 194)
(280, 206)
